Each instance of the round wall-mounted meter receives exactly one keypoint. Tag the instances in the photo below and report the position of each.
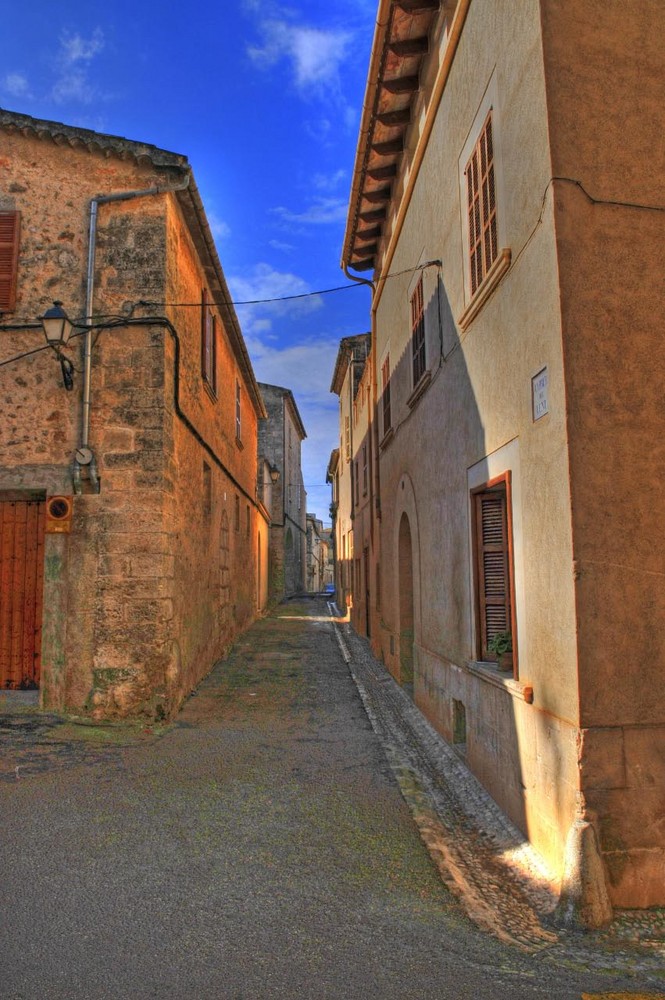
(58, 515)
(84, 455)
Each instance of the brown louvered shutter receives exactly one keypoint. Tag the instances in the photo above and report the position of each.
(481, 206)
(493, 566)
(10, 223)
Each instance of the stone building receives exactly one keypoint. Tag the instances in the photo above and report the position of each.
(281, 434)
(352, 490)
(501, 206)
(318, 555)
(130, 517)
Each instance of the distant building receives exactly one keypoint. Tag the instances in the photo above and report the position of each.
(501, 205)
(131, 524)
(281, 434)
(351, 476)
(319, 564)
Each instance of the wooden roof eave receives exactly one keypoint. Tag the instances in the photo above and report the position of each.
(401, 42)
(382, 22)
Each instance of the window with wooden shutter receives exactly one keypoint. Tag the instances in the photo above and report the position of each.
(418, 333)
(208, 344)
(10, 225)
(493, 558)
(385, 382)
(481, 206)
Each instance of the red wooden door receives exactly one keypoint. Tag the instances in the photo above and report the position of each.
(21, 584)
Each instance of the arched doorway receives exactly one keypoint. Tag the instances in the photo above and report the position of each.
(405, 568)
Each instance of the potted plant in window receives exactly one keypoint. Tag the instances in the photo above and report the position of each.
(501, 645)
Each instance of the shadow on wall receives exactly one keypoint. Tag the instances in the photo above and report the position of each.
(446, 584)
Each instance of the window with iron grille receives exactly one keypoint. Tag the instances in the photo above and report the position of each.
(9, 242)
(481, 206)
(385, 385)
(208, 344)
(418, 332)
(493, 562)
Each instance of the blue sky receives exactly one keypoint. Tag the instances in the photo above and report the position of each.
(264, 99)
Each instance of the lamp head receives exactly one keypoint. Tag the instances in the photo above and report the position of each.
(56, 324)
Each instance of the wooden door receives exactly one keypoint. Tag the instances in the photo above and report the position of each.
(21, 585)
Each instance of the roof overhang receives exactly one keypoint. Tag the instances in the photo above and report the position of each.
(401, 44)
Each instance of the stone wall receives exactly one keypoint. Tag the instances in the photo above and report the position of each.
(158, 573)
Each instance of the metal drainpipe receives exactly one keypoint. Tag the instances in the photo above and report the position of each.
(85, 455)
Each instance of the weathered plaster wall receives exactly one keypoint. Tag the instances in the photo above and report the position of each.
(475, 410)
(612, 303)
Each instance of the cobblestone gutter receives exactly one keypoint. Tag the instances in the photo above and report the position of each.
(481, 856)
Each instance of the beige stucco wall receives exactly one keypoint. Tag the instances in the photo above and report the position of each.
(476, 414)
(607, 150)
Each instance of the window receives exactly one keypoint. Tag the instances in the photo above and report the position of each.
(493, 562)
(238, 423)
(237, 513)
(385, 384)
(418, 332)
(365, 470)
(357, 481)
(10, 223)
(208, 344)
(248, 521)
(481, 206)
(347, 438)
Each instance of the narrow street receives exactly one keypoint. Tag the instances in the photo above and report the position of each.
(257, 847)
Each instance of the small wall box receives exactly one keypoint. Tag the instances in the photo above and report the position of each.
(58, 515)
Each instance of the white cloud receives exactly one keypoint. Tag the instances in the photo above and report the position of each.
(219, 229)
(74, 48)
(321, 211)
(314, 54)
(16, 84)
(74, 60)
(318, 54)
(269, 294)
(278, 245)
(328, 182)
(74, 87)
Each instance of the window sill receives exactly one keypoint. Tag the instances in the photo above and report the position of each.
(484, 290)
(490, 673)
(387, 438)
(209, 389)
(423, 382)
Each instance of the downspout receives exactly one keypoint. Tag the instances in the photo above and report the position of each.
(84, 454)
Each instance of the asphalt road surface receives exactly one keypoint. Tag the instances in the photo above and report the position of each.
(257, 848)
